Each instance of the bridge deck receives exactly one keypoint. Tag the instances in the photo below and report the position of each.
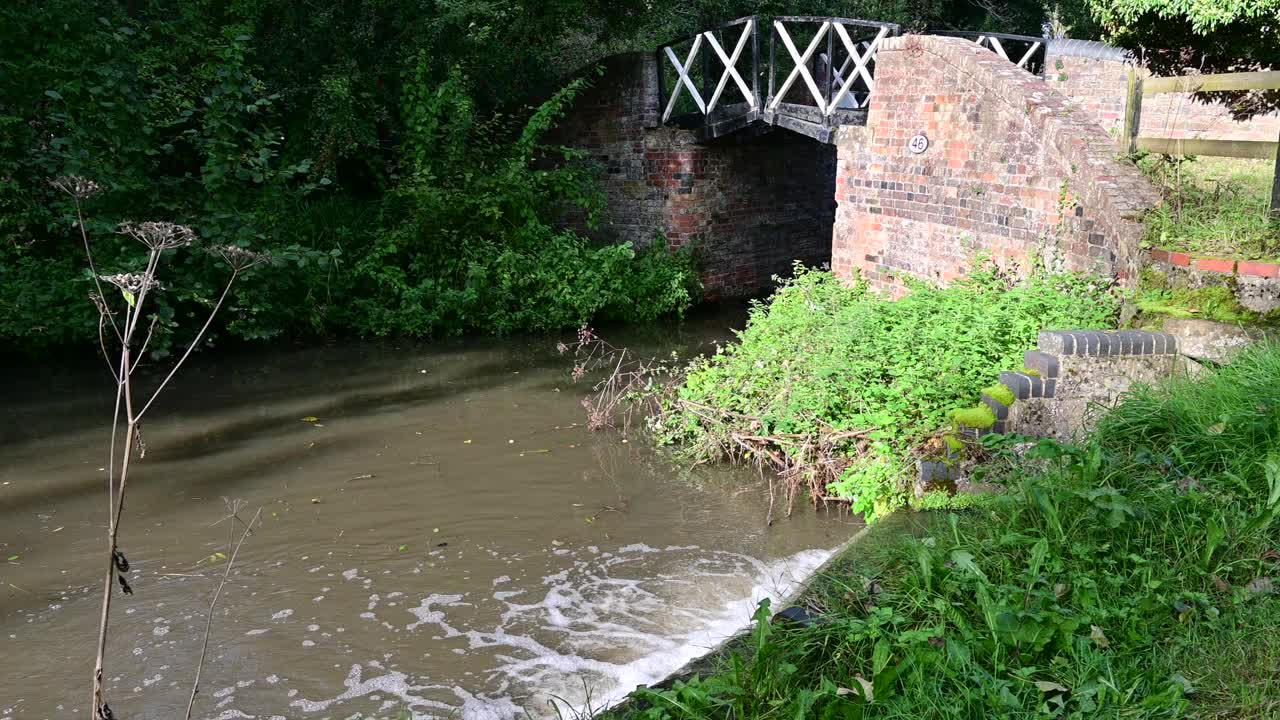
(816, 75)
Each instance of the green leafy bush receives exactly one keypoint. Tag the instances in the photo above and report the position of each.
(1132, 576)
(476, 246)
(822, 356)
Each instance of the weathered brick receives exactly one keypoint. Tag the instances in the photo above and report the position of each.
(1258, 269)
(1003, 151)
(1018, 383)
(1000, 409)
(750, 209)
(1042, 362)
(1214, 265)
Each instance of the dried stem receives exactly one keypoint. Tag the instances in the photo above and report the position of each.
(208, 627)
(88, 253)
(134, 288)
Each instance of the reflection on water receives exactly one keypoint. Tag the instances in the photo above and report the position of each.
(445, 539)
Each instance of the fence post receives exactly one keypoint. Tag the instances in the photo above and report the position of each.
(1133, 112)
(829, 75)
(773, 37)
(1275, 187)
(755, 62)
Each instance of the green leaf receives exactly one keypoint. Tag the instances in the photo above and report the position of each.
(129, 298)
(1047, 687)
(53, 94)
(963, 559)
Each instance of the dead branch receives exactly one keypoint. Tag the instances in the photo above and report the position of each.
(208, 627)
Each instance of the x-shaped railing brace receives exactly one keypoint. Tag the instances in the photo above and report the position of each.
(994, 42)
(730, 71)
(801, 69)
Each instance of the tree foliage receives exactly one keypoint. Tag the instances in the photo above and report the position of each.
(386, 152)
(1176, 36)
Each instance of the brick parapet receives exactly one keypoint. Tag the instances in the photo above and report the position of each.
(1012, 171)
(1098, 85)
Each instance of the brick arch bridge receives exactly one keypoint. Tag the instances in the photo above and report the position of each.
(840, 141)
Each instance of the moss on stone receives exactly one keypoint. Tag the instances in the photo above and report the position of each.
(942, 500)
(1031, 371)
(953, 443)
(980, 417)
(1161, 296)
(1001, 394)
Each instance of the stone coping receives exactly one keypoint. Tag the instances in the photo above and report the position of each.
(1106, 342)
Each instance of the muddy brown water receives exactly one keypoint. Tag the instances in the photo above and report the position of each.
(444, 540)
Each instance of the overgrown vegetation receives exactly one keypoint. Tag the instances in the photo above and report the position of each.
(386, 152)
(1160, 296)
(841, 388)
(1216, 207)
(1174, 37)
(1131, 576)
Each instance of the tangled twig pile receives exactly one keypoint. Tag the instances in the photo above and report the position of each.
(630, 384)
(649, 387)
(793, 462)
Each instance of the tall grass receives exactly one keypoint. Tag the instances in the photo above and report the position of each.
(1130, 576)
(1213, 206)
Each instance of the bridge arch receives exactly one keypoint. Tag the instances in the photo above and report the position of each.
(758, 162)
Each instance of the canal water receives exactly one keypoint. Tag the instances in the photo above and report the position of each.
(440, 537)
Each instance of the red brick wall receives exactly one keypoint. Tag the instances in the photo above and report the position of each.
(1010, 172)
(1100, 88)
(750, 203)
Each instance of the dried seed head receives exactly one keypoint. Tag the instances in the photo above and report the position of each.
(76, 186)
(131, 282)
(159, 235)
(241, 258)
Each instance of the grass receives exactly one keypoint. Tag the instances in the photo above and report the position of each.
(1216, 207)
(1130, 576)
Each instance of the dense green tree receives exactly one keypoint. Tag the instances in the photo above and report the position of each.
(356, 140)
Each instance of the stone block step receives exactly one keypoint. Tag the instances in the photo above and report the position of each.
(1025, 386)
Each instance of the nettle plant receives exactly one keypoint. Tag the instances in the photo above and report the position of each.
(126, 326)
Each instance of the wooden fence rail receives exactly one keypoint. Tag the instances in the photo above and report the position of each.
(1140, 87)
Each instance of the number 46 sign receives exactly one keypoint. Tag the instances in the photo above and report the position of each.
(918, 144)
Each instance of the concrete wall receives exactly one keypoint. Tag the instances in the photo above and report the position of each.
(750, 203)
(1095, 76)
(1011, 171)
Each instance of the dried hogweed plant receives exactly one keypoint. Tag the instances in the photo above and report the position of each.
(126, 326)
(630, 384)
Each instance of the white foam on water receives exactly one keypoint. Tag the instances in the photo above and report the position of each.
(612, 621)
(665, 621)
